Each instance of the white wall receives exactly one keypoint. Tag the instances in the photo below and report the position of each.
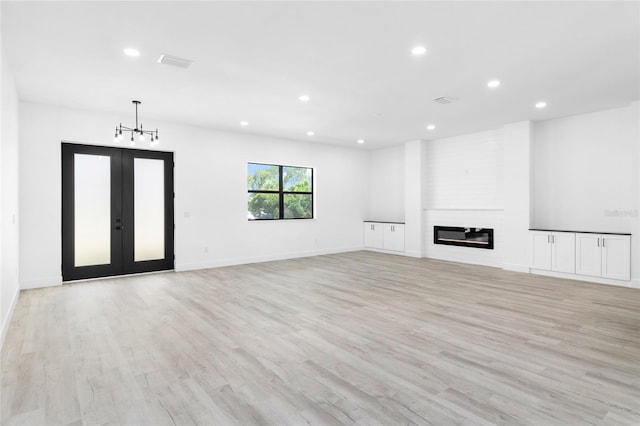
(414, 198)
(465, 171)
(9, 212)
(585, 174)
(464, 181)
(387, 184)
(517, 196)
(210, 185)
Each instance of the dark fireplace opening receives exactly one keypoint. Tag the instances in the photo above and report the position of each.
(465, 237)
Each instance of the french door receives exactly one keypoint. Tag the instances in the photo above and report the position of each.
(117, 211)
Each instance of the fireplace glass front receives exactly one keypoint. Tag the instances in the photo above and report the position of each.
(465, 237)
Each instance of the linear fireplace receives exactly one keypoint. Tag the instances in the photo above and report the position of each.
(465, 237)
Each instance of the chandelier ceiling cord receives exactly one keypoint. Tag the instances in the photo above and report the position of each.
(137, 131)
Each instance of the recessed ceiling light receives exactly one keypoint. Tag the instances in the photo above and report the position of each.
(493, 84)
(244, 123)
(431, 127)
(130, 51)
(304, 98)
(419, 50)
(310, 133)
(360, 141)
(541, 104)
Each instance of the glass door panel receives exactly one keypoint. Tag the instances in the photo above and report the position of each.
(92, 209)
(117, 211)
(148, 210)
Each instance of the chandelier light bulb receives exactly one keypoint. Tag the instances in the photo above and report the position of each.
(141, 137)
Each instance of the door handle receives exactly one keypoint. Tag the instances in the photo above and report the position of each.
(119, 227)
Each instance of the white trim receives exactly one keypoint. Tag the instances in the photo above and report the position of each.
(462, 209)
(398, 253)
(116, 276)
(576, 277)
(6, 321)
(41, 283)
(417, 254)
(258, 259)
(516, 267)
(482, 262)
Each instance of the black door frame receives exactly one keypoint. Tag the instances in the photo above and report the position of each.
(122, 213)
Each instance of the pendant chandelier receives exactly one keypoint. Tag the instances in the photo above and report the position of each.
(137, 131)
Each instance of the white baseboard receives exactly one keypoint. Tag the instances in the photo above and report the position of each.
(7, 320)
(397, 253)
(575, 277)
(516, 267)
(217, 263)
(414, 254)
(40, 282)
(478, 262)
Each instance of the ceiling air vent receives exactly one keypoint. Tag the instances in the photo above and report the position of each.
(175, 61)
(444, 100)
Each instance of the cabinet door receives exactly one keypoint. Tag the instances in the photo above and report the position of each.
(616, 257)
(563, 252)
(394, 237)
(541, 252)
(373, 235)
(588, 254)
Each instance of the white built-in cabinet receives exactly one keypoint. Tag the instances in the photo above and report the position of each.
(590, 254)
(373, 235)
(604, 255)
(384, 236)
(554, 251)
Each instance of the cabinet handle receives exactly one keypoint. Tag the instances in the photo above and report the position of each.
(393, 228)
(603, 242)
(548, 239)
(553, 239)
(598, 242)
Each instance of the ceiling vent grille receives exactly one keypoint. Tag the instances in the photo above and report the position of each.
(444, 100)
(175, 61)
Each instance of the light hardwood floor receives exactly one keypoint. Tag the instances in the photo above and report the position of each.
(356, 338)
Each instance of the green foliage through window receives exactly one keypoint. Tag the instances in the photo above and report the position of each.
(279, 192)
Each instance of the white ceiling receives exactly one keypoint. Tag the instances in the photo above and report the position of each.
(253, 60)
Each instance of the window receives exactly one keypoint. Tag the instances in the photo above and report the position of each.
(279, 192)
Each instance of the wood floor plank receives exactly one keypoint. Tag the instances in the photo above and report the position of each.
(358, 338)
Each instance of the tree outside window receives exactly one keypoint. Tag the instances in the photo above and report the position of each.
(279, 192)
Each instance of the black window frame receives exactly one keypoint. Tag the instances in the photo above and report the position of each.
(281, 193)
